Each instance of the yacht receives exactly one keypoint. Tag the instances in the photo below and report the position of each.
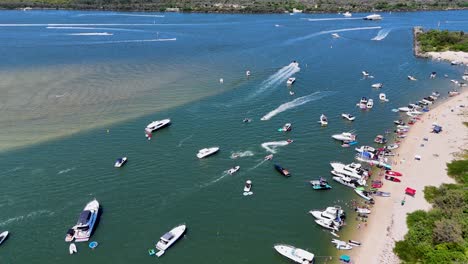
(334, 213)
(169, 238)
(348, 181)
(155, 125)
(383, 97)
(85, 225)
(290, 81)
(329, 224)
(354, 170)
(295, 254)
(412, 78)
(350, 117)
(335, 35)
(120, 162)
(377, 85)
(370, 104)
(203, 153)
(373, 17)
(233, 170)
(323, 120)
(347, 14)
(345, 136)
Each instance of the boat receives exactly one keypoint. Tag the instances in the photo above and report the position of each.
(354, 170)
(360, 210)
(373, 17)
(365, 74)
(376, 184)
(370, 104)
(290, 81)
(433, 75)
(291, 92)
(323, 120)
(354, 243)
(392, 146)
(364, 194)
(414, 106)
(287, 127)
(345, 136)
(120, 162)
(455, 62)
(465, 76)
(335, 35)
(320, 184)
(412, 78)
(205, 152)
(393, 173)
(169, 238)
(347, 181)
(233, 170)
(295, 254)
(382, 194)
(454, 82)
(344, 246)
(377, 85)
(436, 94)
(363, 103)
(269, 157)
(362, 149)
(366, 157)
(282, 170)
(158, 124)
(391, 178)
(403, 109)
(453, 93)
(332, 213)
(347, 14)
(380, 139)
(350, 117)
(247, 73)
(84, 227)
(399, 122)
(3, 236)
(248, 188)
(72, 248)
(329, 224)
(247, 120)
(383, 97)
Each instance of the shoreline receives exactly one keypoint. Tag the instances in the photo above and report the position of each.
(387, 223)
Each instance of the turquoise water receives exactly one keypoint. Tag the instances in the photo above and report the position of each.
(62, 92)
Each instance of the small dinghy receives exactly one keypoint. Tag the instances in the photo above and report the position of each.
(120, 162)
(393, 173)
(233, 170)
(347, 116)
(360, 210)
(354, 243)
(391, 178)
(365, 74)
(320, 184)
(377, 85)
(247, 188)
(93, 245)
(323, 120)
(3, 236)
(72, 248)
(282, 170)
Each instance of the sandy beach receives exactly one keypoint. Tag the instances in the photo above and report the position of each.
(387, 222)
(459, 56)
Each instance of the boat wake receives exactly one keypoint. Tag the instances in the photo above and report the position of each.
(272, 146)
(332, 18)
(295, 103)
(65, 171)
(96, 28)
(241, 154)
(291, 41)
(258, 165)
(131, 41)
(183, 140)
(280, 76)
(91, 34)
(382, 34)
(215, 180)
(25, 217)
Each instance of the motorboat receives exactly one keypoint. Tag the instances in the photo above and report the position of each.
(347, 14)
(169, 238)
(365, 73)
(360, 210)
(413, 113)
(348, 181)
(373, 17)
(291, 93)
(399, 122)
(455, 62)
(247, 73)
(454, 82)
(233, 170)
(363, 103)
(427, 101)
(72, 249)
(248, 188)
(382, 194)
(392, 146)
(379, 139)
(323, 120)
(433, 75)
(205, 152)
(320, 184)
(344, 246)
(367, 158)
(295, 254)
(155, 125)
(465, 76)
(354, 170)
(383, 97)
(423, 102)
(329, 224)
(391, 178)
(269, 157)
(290, 81)
(120, 162)
(345, 136)
(453, 93)
(333, 213)
(365, 149)
(364, 194)
(282, 170)
(294, 64)
(3, 236)
(412, 78)
(335, 35)
(350, 117)
(370, 104)
(393, 173)
(83, 229)
(404, 109)
(377, 85)
(287, 127)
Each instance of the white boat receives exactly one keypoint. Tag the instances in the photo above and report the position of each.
(335, 35)
(329, 224)
(347, 14)
(295, 254)
(373, 17)
(455, 62)
(269, 157)
(72, 248)
(3, 236)
(362, 158)
(350, 117)
(290, 81)
(203, 153)
(412, 78)
(413, 106)
(383, 97)
(365, 73)
(84, 227)
(354, 170)
(169, 238)
(233, 170)
(345, 136)
(363, 103)
(392, 146)
(332, 213)
(158, 124)
(247, 73)
(362, 210)
(403, 109)
(247, 188)
(120, 162)
(433, 75)
(346, 181)
(465, 76)
(323, 120)
(286, 127)
(377, 85)
(363, 194)
(370, 104)
(362, 149)
(345, 246)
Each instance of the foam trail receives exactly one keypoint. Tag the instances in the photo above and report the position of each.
(280, 76)
(183, 140)
(24, 217)
(271, 146)
(130, 15)
(96, 28)
(328, 32)
(130, 41)
(331, 18)
(258, 165)
(66, 170)
(241, 154)
(91, 34)
(215, 180)
(382, 34)
(295, 103)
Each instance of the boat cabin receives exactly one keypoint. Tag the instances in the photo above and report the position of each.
(85, 216)
(166, 238)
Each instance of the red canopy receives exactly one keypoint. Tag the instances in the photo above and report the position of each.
(410, 191)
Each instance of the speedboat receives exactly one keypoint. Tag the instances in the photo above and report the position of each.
(433, 75)
(392, 146)
(455, 62)
(203, 153)
(347, 14)
(320, 184)
(345, 136)
(169, 238)
(323, 120)
(379, 139)
(247, 188)
(362, 210)
(363, 103)
(364, 194)
(454, 81)
(373, 17)
(453, 93)
(3, 236)
(155, 125)
(295, 254)
(365, 73)
(84, 227)
(120, 162)
(365, 149)
(334, 213)
(404, 109)
(350, 117)
(354, 170)
(329, 224)
(399, 122)
(465, 76)
(412, 78)
(290, 81)
(414, 106)
(286, 127)
(347, 181)
(370, 104)
(282, 170)
(269, 157)
(233, 170)
(247, 73)
(377, 85)
(335, 35)
(383, 97)
(391, 178)
(72, 248)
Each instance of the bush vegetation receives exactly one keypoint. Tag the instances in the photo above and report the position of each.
(436, 40)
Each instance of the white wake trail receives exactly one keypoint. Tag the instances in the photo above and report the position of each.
(332, 18)
(328, 32)
(91, 34)
(241, 154)
(130, 41)
(280, 76)
(383, 33)
(295, 103)
(271, 146)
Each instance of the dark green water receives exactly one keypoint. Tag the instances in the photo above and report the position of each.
(55, 83)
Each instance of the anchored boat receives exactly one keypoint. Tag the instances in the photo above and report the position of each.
(170, 238)
(295, 254)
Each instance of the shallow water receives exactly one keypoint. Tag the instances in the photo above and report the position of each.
(72, 104)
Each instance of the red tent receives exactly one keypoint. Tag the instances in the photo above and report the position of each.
(410, 191)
